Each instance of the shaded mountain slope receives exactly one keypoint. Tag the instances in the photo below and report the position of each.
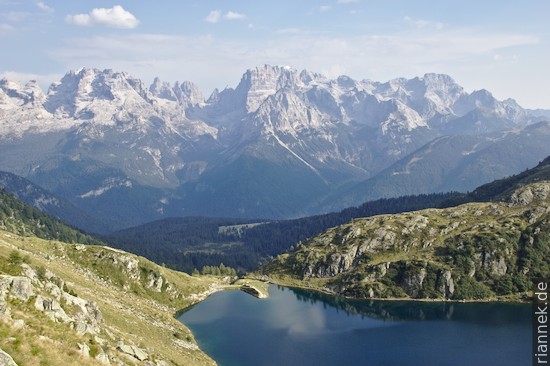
(47, 202)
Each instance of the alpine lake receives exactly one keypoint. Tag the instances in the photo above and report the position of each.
(302, 328)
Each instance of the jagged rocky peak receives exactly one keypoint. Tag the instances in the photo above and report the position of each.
(309, 77)
(162, 89)
(285, 111)
(483, 100)
(188, 93)
(440, 85)
(214, 97)
(21, 95)
(433, 96)
(64, 95)
(438, 81)
(436, 94)
(82, 86)
(11, 88)
(441, 89)
(259, 83)
(345, 81)
(512, 103)
(395, 88)
(402, 118)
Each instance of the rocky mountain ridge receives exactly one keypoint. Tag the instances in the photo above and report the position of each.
(472, 251)
(235, 150)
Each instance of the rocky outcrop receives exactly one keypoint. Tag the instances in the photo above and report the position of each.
(472, 251)
(53, 296)
(133, 351)
(527, 195)
(133, 271)
(49, 296)
(17, 287)
(6, 360)
(52, 309)
(154, 281)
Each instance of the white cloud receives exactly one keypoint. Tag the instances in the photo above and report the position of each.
(214, 16)
(324, 8)
(6, 28)
(231, 15)
(498, 57)
(42, 6)
(420, 23)
(290, 31)
(115, 17)
(212, 62)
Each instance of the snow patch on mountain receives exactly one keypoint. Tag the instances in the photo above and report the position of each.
(108, 184)
(166, 134)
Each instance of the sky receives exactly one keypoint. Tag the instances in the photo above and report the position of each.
(502, 46)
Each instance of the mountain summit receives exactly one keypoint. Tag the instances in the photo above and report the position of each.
(282, 143)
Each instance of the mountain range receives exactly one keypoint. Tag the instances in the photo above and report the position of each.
(283, 143)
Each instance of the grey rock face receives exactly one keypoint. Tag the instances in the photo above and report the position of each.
(19, 287)
(133, 351)
(527, 195)
(6, 360)
(52, 309)
(102, 357)
(154, 282)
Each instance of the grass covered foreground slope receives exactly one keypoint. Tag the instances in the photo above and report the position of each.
(469, 252)
(74, 304)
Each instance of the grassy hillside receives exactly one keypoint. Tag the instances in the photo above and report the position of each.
(469, 252)
(74, 304)
(24, 220)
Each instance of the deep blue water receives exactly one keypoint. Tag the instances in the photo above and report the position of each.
(297, 327)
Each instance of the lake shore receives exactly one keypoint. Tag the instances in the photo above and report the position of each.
(520, 298)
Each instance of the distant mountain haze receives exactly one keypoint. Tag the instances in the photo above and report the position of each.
(283, 143)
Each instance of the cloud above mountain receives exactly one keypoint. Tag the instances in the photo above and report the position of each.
(115, 17)
(215, 16)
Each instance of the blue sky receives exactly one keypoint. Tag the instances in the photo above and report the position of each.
(502, 46)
